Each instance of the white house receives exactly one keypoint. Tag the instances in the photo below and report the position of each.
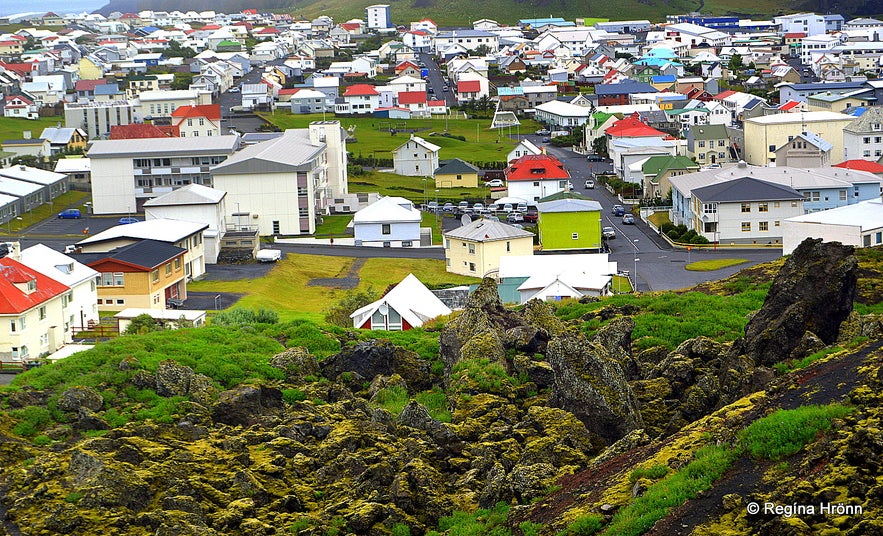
(533, 177)
(524, 147)
(194, 203)
(408, 305)
(389, 222)
(416, 158)
(555, 277)
(82, 301)
(859, 225)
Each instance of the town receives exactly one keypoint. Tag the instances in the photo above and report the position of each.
(144, 150)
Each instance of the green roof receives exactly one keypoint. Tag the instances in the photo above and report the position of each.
(657, 165)
(229, 43)
(600, 117)
(709, 132)
(565, 195)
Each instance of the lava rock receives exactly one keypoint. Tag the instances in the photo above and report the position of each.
(80, 397)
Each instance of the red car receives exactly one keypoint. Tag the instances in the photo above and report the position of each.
(531, 217)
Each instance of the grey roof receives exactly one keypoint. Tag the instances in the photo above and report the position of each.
(147, 254)
(197, 146)
(192, 194)
(291, 152)
(709, 132)
(824, 86)
(569, 205)
(107, 89)
(33, 141)
(814, 140)
(626, 86)
(486, 231)
(873, 116)
(61, 135)
(454, 166)
(745, 189)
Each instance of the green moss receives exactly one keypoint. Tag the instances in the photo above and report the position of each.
(786, 431)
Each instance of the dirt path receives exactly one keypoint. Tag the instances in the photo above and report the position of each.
(349, 281)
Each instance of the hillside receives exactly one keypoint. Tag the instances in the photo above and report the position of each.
(668, 412)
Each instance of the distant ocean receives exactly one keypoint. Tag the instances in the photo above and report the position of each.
(12, 7)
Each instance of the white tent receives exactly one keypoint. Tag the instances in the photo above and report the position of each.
(408, 305)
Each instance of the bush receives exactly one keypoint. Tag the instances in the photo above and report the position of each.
(653, 473)
(32, 420)
(293, 395)
(584, 526)
(787, 431)
(338, 314)
(239, 316)
(436, 403)
(666, 227)
(142, 324)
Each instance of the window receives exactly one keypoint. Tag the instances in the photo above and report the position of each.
(746, 226)
(471, 249)
(866, 240)
(42, 311)
(12, 326)
(879, 237)
(121, 301)
(721, 143)
(746, 207)
(22, 323)
(709, 208)
(406, 243)
(763, 207)
(44, 340)
(303, 212)
(763, 226)
(177, 264)
(811, 196)
(702, 143)
(776, 223)
(32, 285)
(384, 228)
(772, 148)
(508, 247)
(866, 140)
(471, 266)
(168, 268)
(154, 275)
(574, 236)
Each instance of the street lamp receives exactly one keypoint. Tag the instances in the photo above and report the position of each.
(635, 243)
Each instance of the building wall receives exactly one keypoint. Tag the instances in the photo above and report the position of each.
(485, 256)
(413, 160)
(113, 186)
(371, 234)
(535, 190)
(854, 146)
(557, 230)
(270, 197)
(760, 137)
(731, 217)
(96, 119)
(212, 214)
(140, 289)
(795, 232)
(39, 336)
(466, 180)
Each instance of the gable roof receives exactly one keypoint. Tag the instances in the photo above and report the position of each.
(534, 167)
(813, 140)
(58, 134)
(746, 189)
(412, 97)
(56, 265)
(487, 231)
(389, 209)
(468, 86)
(455, 166)
(284, 153)
(160, 230)
(12, 299)
(861, 165)
(709, 132)
(192, 194)
(633, 127)
(144, 254)
(568, 204)
(410, 298)
(209, 111)
(357, 90)
(135, 131)
(656, 165)
(431, 147)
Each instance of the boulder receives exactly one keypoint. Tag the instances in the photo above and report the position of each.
(245, 404)
(528, 482)
(590, 384)
(813, 291)
(379, 357)
(172, 379)
(80, 397)
(296, 362)
(528, 339)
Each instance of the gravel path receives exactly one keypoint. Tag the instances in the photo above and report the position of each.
(349, 281)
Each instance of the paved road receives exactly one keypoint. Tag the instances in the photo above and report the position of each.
(435, 80)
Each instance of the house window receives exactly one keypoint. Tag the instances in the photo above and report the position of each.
(763, 226)
(811, 196)
(763, 207)
(772, 148)
(177, 264)
(154, 275)
(384, 228)
(303, 212)
(42, 312)
(471, 266)
(121, 301)
(746, 226)
(879, 237)
(746, 207)
(12, 326)
(536, 183)
(574, 236)
(32, 285)
(471, 249)
(709, 208)
(168, 268)
(702, 143)
(866, 140)
(508, 248)
(866, 240)
(406, 243)
(44, 340)
(776, 223)
(720, 143)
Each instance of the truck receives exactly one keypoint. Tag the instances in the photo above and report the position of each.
(558, 133)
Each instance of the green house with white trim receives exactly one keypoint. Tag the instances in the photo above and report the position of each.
(658, 170)
(569, 221)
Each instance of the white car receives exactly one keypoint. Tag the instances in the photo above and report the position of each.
(590, 184)
(494, 183)
(268, 255)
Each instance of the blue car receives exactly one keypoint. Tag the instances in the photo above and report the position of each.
(70, 214)
(128, 219)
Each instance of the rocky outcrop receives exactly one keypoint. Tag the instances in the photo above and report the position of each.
(296, 362)
(245, 404)
(813, 292)
(172, 379)
(80, 397)
(379, 357)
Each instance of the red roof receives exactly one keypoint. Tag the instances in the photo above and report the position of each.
(89, 85)
(418, 32)
(725, 94)
(633, 127)
(534, 167)
(789, 105)
(211, 27)
(357, 90)
(289, 91)
(794, 35)
(412, 97)
(14, 300)
(268, 31)
(861, 165)
(468, 86)
(209, 111)
(142, 130)
(404, 65)
(439, 102)
(350, 26)
(19, 97)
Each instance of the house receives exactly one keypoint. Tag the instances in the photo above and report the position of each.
(358, 99)
(389, 222)
(303, 169)
(416, 158)
(630, 139)
(20, 106)
(744, 210)
(658, 170)
(709, 144)
(471, 40)
(863, 137)
(78, 171)
(378, 17)
(161, 104)
(533, 177)
(308, 101)
(617, 94)
(569, 221)
(49, 184)
(128, 172)
(146, 274)
(456, 173)
(64, 140)
(859, 225)
(554, 277)
(763, 135)
(195, 203)
(407, 305)
(81, 304)
(193, 121)
(476, 248)
(34, 311)
(524, 147)
(805, 150)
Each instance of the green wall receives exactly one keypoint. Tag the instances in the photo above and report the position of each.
(556, 230)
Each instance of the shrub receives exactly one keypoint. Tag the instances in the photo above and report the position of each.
(787, 431)
(142, 324)
(654, 472)
(529, 528)
(481, 522)
(400, 529)
(293, 395)
(240, 316)
(583, 526)
(436, 403)
(32, 420)
(338, 314)
(74, 497)
(666, 227)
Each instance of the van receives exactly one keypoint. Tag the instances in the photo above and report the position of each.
(463, 206)
(521, 207)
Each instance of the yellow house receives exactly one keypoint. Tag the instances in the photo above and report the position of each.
(839, 102)
(476, 248)
(456, 174)
(89, 69)
(763, 135)
(146, 274)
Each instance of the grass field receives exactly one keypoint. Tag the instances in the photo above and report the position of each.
(481, 145)
(285, 289)
(11, 128)
(413, 188)
(713, 264)
(72, 198)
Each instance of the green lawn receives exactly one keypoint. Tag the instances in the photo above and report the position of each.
(334, 225)
(713, 264)
(11, 128)
(285, 288)
(481, 145)
(413, 188)
(71, 198)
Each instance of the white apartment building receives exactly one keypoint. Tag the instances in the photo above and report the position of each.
(378, 17)
(96, 118)
(807, 23)
(156, 104)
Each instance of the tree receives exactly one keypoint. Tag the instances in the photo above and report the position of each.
(182, 81)
(599, 146)
(142, 324)
(736, 63)
(339, 313)
(175, 50)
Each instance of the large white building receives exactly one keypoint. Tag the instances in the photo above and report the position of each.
(126, 173)
(859, 225)
(194, 203)
(96, 117)
(388, 222)
(378, 17)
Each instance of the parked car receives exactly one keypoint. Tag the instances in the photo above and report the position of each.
(70, 214)
(128, 219)
(543, 132)
(507, 208)
(449, 207)
(478, 208)
(463, 206)
(618, 210)
(570, 186)
(628, 219)
(515, 217)
(607, 233)
(547, 139)
(268, 255)
(590, 184)
(521, 207)
(494, 183)
(234, 90)
(594, 158)
(531, 216)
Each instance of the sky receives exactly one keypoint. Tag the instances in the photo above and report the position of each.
(10, 7)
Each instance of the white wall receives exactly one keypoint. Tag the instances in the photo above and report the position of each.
(795, 232)
(113, 185)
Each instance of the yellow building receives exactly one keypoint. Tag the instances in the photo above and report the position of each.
(89, 69)
(839, 102)
(456, 174)
(476, 248)
(763, 135)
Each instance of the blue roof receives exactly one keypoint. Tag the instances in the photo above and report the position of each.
(541, 22)
(661, 52)
(149, 29)
(107, 89)
(663, 78)
(509, 91)
(655, 61)
(626, 86)
(829, 85)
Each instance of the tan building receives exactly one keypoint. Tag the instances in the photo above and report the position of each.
(476, 248)
(147, 274)
(763, 135)
(456, 174)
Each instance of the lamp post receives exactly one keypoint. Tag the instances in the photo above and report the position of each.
(424, 191)
(635, 243)
(88, 205)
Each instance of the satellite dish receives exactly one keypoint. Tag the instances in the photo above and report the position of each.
(465, 219)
